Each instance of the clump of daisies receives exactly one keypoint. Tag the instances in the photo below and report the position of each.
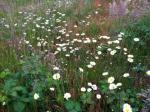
(91, 65)
(130, 58)
(91, 88)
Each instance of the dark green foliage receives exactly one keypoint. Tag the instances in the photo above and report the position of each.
(18, 88)
(72, 106)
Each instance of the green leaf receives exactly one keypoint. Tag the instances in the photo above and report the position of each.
(72, 106)
(110, 100)
(69, 105)
(73, 111)
(19, 106)
(20, 88)
(87, 98)
(14, 94)
(26, 99)
(2, 98)
(77, 106)
(3, 75)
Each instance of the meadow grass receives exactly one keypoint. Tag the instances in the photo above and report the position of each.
(72, 59)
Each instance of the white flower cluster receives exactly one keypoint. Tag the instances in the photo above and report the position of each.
(91, 65)
(90, 88)
(112, 85)
(130, 58)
